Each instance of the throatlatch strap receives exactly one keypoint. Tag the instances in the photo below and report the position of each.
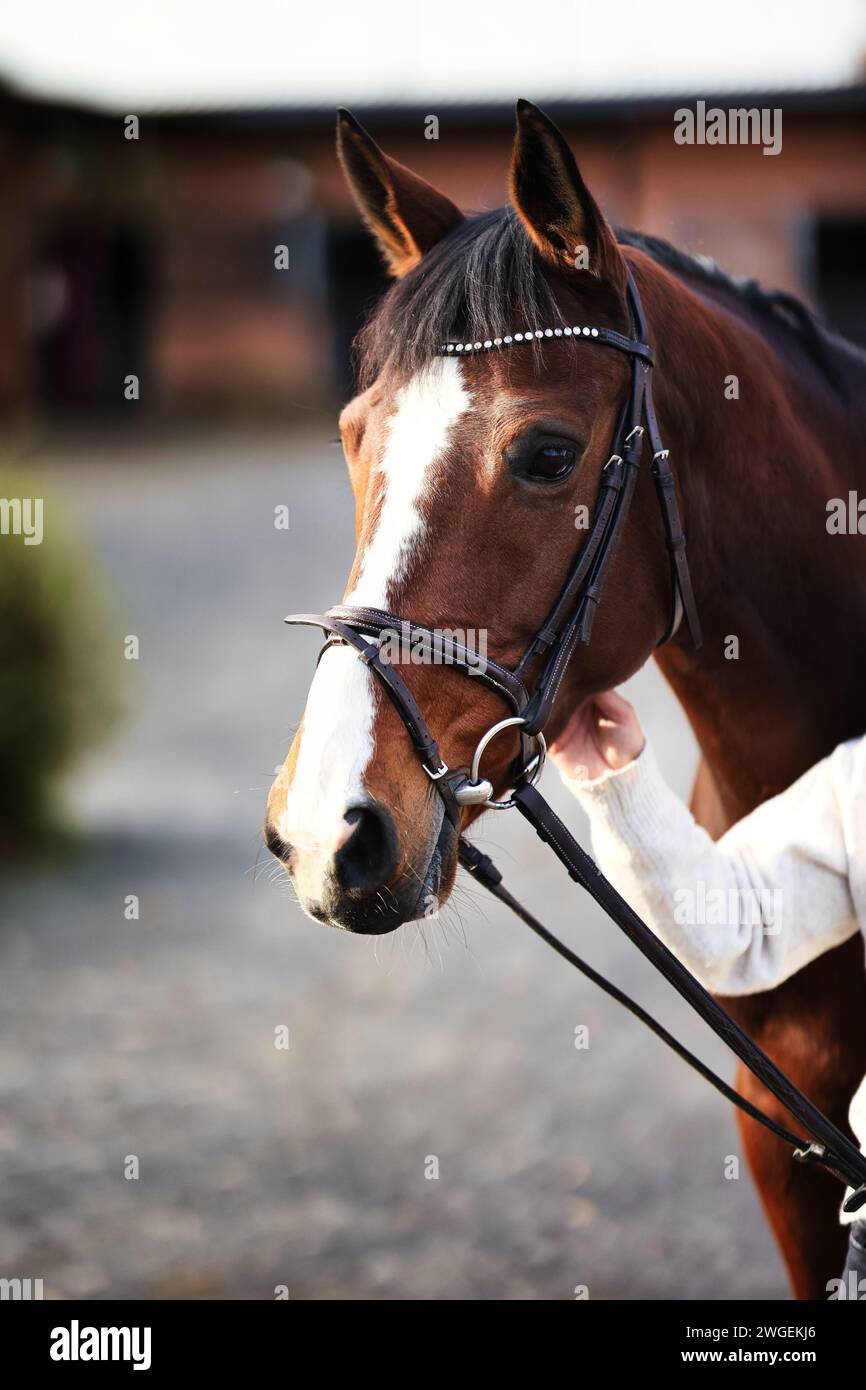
(681, 579)
(835, 1152)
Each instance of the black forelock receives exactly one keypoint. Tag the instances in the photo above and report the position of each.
(483, 280)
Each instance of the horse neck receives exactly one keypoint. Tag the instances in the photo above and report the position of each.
(769, 692)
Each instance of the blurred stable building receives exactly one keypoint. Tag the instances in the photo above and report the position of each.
(155, 256)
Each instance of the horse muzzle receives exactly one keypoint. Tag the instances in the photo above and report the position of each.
(364, 880)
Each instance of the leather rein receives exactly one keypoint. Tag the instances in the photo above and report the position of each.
(567, 625)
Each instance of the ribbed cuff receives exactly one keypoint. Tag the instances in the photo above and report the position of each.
(626, 801)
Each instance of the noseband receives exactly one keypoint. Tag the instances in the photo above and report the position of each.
(567, 625)
(569, 622)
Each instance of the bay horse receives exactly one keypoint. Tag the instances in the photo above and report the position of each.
(468, 475)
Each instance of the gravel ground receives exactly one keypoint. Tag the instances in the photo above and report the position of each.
(305, 1167)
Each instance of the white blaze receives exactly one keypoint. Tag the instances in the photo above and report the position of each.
(427, 409)
(337, 739)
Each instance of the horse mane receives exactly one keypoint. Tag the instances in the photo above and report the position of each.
(486, 279)
(772, 306)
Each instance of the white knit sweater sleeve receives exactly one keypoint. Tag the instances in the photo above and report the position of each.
(747, 911)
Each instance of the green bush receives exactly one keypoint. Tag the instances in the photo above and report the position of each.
(56, 689)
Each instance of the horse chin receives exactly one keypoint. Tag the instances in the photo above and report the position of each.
(393, 907)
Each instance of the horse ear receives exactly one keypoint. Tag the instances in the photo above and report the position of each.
(406, 215)
(555, 205)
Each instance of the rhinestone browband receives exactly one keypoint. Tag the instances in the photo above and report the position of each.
(525, 337)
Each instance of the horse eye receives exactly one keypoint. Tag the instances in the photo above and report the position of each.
(551, 462)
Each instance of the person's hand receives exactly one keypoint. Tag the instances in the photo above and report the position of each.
(602, 735)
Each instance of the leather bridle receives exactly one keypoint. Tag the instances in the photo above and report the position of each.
(569, 622)
(567, 625)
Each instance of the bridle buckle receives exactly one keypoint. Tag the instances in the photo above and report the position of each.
(442, 771)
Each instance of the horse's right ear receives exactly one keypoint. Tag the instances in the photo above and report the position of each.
(405, 213)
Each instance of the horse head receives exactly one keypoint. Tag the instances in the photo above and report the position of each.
(475, 476)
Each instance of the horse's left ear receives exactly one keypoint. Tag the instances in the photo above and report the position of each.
(406, 215)
(555, 205)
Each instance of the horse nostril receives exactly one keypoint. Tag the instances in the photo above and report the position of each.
(368, 856)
